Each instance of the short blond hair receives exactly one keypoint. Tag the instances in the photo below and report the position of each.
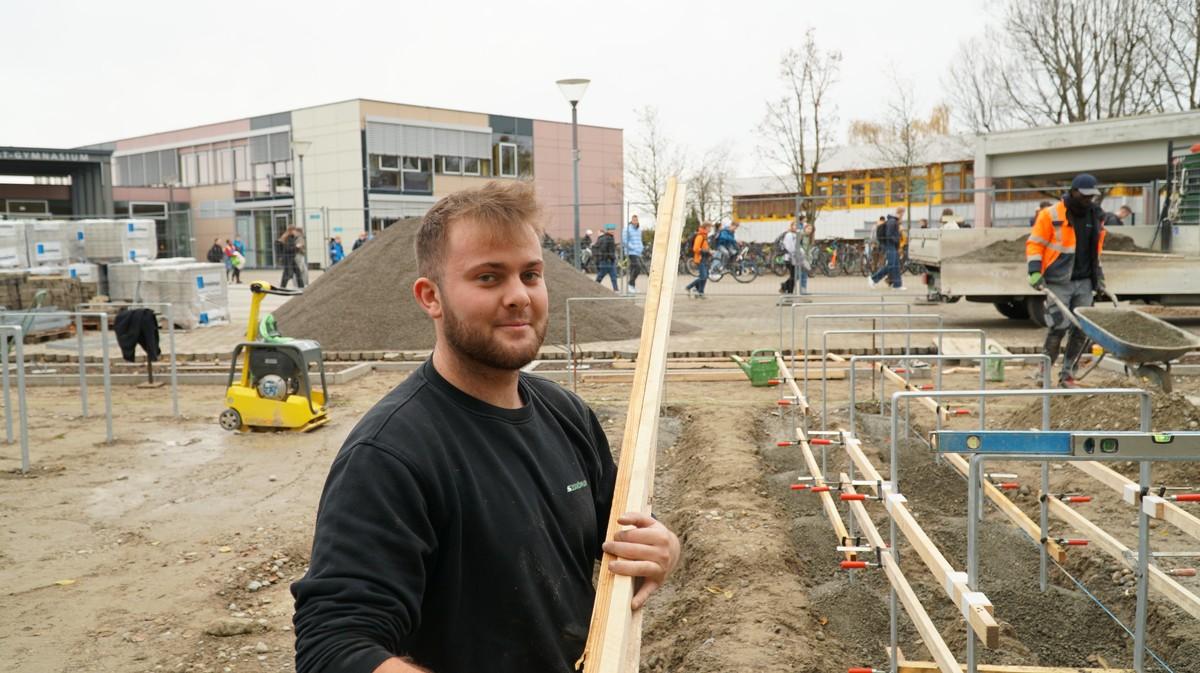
(503, 207)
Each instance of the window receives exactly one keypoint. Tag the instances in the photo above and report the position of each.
(224, 166)
(877, 191)
(388, 162)
(191, 171)
(919, 189)
(899, 190)
(204, 176)
(241, 165)
(858, 194)
(506, 159)
(417, 175)
(451, 165)
(951, 184)
(839, 194)
(471, 166)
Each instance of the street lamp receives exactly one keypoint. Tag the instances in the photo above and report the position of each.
(300, 147)
(572, 90)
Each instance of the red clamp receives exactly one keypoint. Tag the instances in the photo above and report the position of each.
(821, 489)
(786, 443)
(800, 487)
(1008, 486)
(925, 386)
(1073, 498)
(959, 412)
(1182, 572)
(858, 565)
(1185, 497)
(773, 382)
(856, 497)
(1071, 542)
(864, 670)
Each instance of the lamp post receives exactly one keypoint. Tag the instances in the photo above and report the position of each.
(572, 90)
(300, 147)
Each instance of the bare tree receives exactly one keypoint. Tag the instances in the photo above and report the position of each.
(1176, 54)
(1080, 60)
(901, 137)
(708, 183)
(653, 158)
(975, 89)
(798, 128)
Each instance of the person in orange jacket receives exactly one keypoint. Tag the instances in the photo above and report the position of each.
(701, 256)
(1063, 253)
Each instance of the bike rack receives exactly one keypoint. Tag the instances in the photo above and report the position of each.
(975, 487)
(18, 338)
(170, 341)
(882, 317)
(940, 332)
(79, 315)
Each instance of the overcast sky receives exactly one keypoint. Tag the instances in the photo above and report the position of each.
(85, 72)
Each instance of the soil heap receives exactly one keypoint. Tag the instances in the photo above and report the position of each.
(1169, 411)
(1009, 251)
(365, 303)
(1138, 328)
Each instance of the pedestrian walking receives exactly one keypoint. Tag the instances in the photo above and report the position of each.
(1063, 252)
(336, 253)
(631, 238)
(702, 256)
(604, 251)
(888, 235)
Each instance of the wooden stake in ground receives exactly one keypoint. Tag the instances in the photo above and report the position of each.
(615, 637)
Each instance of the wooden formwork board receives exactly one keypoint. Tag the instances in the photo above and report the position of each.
(827, 502)
(1159, 580)
(1171, 513)
(978, 611)
(790, 381)
(614, 638)
(905, 666)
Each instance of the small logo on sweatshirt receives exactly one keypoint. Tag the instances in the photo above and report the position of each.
(571, 488)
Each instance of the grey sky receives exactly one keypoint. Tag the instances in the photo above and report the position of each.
(85, 72)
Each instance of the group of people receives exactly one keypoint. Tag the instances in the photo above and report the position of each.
(337, 253)
(230, 253)
(604, 252)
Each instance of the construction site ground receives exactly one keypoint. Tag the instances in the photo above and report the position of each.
(172, 548)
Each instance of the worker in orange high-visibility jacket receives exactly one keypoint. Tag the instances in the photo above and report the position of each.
(1063, 252)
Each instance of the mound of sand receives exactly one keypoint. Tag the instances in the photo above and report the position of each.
(1013, 251)
(1169, 411)
(365, 302)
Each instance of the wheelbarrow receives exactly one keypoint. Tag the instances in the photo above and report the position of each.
(761, 368)
(1142, 361)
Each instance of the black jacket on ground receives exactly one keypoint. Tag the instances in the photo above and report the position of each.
(459, 534)
(137, 327)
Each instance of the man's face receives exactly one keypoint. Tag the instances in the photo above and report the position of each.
(634, 221)
(493, 296)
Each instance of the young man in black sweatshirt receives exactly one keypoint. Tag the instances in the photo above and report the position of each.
(462, 518)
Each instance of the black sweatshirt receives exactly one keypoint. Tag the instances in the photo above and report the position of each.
(457, 533)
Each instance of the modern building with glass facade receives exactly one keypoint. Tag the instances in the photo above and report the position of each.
(365, 165)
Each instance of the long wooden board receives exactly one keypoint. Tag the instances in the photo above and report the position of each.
(713, 375)
(790, 381)
(979, 616)
(1159, 580)
(1172, 513)
(827, 501)
(614, 639)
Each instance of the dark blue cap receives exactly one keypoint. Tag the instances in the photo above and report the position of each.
(1085, 184)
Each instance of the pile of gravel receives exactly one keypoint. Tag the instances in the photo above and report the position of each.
(365, 301)
(1014, 250)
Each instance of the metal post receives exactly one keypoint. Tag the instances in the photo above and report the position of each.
(894, 478)
(973, 478)
(174, 372)
(8, 424)
(1044, 509)
(1143, 573)
(83, 392)
(575, 175)
(108, 431)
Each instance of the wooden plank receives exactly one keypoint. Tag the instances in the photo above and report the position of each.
(1008, 508)
(712, 375)
(614, 638)
(978, 616)
(1172, 513)
(790, 381)
(966, 346)
(863, 517)
(930, 636)
(927, 402)
(1159, 580)
(827, 502)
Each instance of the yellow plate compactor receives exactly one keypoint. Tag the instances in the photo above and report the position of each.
(274, 390)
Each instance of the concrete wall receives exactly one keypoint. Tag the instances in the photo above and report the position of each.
(601, 177)
(333, 176)
(374, 108)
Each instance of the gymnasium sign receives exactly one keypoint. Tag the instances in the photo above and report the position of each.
(45, 155)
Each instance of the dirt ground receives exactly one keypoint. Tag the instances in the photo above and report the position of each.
(130, 556)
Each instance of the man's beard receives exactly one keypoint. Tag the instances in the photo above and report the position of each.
(477, 345)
